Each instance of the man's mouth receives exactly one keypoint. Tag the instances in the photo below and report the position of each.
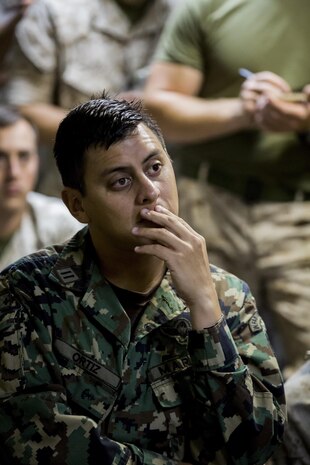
(12, 190)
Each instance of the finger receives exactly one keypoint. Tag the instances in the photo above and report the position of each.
(165, 218)
(155, 250)
(159, 235)
(247, 94)
(271, 78)
(306, 90)
(262, 88)
(178, 219)
(284, 116)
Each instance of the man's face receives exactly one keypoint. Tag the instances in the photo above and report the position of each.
(133, 174)
(19, 164)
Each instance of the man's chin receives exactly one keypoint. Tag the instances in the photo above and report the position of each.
(12, 205)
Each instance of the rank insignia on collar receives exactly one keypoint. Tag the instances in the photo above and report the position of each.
(67, 275)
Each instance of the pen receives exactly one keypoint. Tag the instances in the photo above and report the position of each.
(245, 73)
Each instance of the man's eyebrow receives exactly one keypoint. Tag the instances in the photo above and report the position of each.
(154, 153)
(115, 169)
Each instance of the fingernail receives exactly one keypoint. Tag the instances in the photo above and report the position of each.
(145, 211)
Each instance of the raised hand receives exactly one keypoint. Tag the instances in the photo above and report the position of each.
(280, 115)
(263, 84)
(265, 97)
(185, 254)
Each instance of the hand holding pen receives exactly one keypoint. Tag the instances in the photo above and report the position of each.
(273, 106)
(286, 95)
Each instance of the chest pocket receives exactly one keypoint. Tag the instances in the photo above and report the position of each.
(166, 383)
(166, 380)
(166, 393)
(89, 383)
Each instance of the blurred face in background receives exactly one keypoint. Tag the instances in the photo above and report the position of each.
(19, 164)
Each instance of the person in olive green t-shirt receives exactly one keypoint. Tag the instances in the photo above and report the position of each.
(248, 139)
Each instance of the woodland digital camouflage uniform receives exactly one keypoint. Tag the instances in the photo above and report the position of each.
(78, 388)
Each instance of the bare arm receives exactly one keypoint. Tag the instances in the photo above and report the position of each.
(171, 94)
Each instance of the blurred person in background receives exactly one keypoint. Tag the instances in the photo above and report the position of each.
(29, 220)
(68, 51)
(11, 12)
(242, 146)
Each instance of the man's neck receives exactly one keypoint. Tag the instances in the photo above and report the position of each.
(134, 273)
(10, 222)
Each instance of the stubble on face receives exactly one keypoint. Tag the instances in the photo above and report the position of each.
(123, 180)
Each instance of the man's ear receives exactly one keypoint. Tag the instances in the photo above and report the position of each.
(73, 199)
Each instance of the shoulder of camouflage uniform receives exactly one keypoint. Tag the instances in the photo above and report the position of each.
(236, 301)
(29, 264)
(44, 259)
(225, 280)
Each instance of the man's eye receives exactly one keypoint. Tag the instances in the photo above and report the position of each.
(121, 182)
(155, 168)
(23, 156)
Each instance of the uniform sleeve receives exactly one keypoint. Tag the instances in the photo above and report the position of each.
(32, 67)
(182, 39)
(234, 365)
(37, 425)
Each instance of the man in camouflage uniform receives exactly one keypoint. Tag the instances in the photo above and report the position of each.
(124, 346)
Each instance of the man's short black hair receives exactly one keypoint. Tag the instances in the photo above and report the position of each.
(99, 122)
(10, 115)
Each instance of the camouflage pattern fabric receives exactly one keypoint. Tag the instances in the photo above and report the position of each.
(295, 449)
(77, 387)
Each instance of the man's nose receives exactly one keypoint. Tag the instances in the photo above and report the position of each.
(148, 191)
(13, 167)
